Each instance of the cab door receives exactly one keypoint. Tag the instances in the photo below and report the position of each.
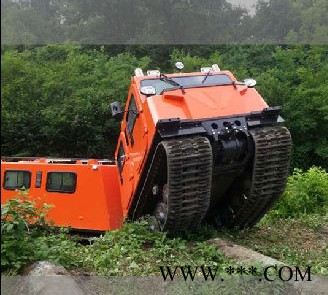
(125, 172)
(132, 147)
(136, 130)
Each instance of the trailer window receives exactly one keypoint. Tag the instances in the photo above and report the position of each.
(62, 182)
(17, 179)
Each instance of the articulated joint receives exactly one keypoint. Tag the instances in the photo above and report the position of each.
(230, 142)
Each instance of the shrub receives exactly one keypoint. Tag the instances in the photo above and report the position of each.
(27, 236)
(306, 193)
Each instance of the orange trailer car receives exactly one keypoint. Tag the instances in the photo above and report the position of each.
(85, 194)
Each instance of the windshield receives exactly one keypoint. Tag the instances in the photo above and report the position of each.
(187, 82)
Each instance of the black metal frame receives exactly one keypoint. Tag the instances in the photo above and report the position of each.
(174, 127)
(231, 142)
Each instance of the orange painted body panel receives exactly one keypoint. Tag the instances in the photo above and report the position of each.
(206, 102)
(95, 204)
(203, 102)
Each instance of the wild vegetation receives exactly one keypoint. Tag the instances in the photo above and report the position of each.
(56, 99)
(295, 235)
(295, 231)
(27, 235)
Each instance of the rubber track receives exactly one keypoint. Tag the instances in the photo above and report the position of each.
(189, 173)
(189, 176)
(270, 171)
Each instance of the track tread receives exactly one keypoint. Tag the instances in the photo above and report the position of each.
(189, 164)
(270, 171)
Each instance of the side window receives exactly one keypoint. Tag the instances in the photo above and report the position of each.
(62, 182)
(121, 157)
(38, 179)
(17, 179)
(131, 116)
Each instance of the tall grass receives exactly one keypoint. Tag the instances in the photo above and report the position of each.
(306, 193)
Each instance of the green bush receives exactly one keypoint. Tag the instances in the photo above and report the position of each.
(56, 98)
(306, 193)
(137, 250)
(27, 236)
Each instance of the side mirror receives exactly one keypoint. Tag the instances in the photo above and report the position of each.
(116, 110)
(250, 82)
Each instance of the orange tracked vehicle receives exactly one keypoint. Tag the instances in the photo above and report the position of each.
(193, 147)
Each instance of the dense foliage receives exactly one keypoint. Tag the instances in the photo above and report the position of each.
(306, 193)
(56, 99)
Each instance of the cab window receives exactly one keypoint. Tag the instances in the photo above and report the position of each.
(62, 182)
(17, 179)
(120, 157)
(132, 115)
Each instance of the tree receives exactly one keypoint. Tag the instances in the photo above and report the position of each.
(56, 101)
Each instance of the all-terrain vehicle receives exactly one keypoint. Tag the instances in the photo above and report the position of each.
(199, 146)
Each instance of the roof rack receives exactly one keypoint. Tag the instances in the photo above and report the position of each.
(49, 160)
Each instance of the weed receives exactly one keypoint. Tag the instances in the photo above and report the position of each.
(136, 250)
(28, 236)
(306, 193)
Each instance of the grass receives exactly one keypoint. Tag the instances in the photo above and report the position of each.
(301, 241)
(137, 251)
(134, 250)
